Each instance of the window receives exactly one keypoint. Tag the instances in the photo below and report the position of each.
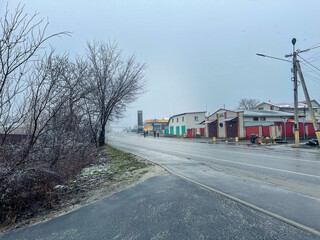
(182, 119)
(272, 108)
(261, 108)
(262, 119)
(172, 120)
(255, 119)
(177, 119)
(196, 118)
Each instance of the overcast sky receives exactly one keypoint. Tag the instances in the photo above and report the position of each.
(201, 55)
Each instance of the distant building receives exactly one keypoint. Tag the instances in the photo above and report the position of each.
(187, 123)
(140, 122)
(303, 110)
(242, 123)
(155, 125)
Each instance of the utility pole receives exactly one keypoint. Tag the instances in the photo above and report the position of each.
(306, 94)
(295, 91)
(296, 70)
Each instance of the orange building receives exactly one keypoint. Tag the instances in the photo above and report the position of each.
(155, 125)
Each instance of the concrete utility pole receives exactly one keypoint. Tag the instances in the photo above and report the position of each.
(306, 94)
(295, 91)
(296, 70)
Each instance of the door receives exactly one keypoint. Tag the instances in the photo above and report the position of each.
(252, 130)
(171, 130)
(266, 131)
(212, 129)
(232, 128)
(177, 130)
(183, 130)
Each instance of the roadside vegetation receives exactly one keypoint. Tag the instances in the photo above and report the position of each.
(112, 171)
(54, 110)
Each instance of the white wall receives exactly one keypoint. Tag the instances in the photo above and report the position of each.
(267, 106)
(189, 121)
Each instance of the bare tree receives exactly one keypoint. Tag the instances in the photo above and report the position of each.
(115, 82)
(48, 96)
(21, 36)
(248, 103)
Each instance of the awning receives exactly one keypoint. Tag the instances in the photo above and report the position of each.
(257, 123)
(227, 119)
(206, 122)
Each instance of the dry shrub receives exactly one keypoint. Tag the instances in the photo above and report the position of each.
(26, 186)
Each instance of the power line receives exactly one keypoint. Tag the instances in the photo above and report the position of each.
(309, 63)
(313, 56)
(315, 46)
(309, 69)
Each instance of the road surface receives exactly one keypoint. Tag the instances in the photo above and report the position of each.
(213, 192)
(283, 181)
(163, 207)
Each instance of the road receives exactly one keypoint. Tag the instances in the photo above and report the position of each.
(163, 207)
(282, 182)
(211, 192)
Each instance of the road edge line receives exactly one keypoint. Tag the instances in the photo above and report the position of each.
(271, 214)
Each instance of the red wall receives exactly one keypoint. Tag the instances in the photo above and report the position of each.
(252, 130)
(266, 131)
(202, 131)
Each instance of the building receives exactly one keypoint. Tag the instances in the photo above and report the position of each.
(187, 123)
(140, 122)
(303, 110)
(160, 125)
(242, 123)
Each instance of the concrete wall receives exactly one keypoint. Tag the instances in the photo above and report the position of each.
(220, 116)
(187, 120)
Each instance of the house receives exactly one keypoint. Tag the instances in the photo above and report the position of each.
(187, 123)
(226, 123)
(303, 110)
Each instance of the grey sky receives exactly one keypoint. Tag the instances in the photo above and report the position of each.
(198, 53)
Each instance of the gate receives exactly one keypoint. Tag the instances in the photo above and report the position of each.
(212, 129)
(232, 128)
(177, 130)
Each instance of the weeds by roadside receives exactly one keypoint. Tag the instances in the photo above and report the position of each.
(114, 170)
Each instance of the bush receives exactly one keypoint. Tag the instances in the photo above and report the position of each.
(26, 185)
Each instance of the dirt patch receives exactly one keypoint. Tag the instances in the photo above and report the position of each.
(114, 172)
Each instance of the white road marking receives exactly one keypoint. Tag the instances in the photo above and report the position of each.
(235, 162)
(250, 205)
(258, 155)
(246, 164)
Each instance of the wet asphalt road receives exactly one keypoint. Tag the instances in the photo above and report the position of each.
(168, 207)
(282, 181)
(163, 207)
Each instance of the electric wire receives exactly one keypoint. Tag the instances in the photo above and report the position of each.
(309, 63)
(312, 57)
(310, 73)
(310, 77)
(308, 69)
(315, 46)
